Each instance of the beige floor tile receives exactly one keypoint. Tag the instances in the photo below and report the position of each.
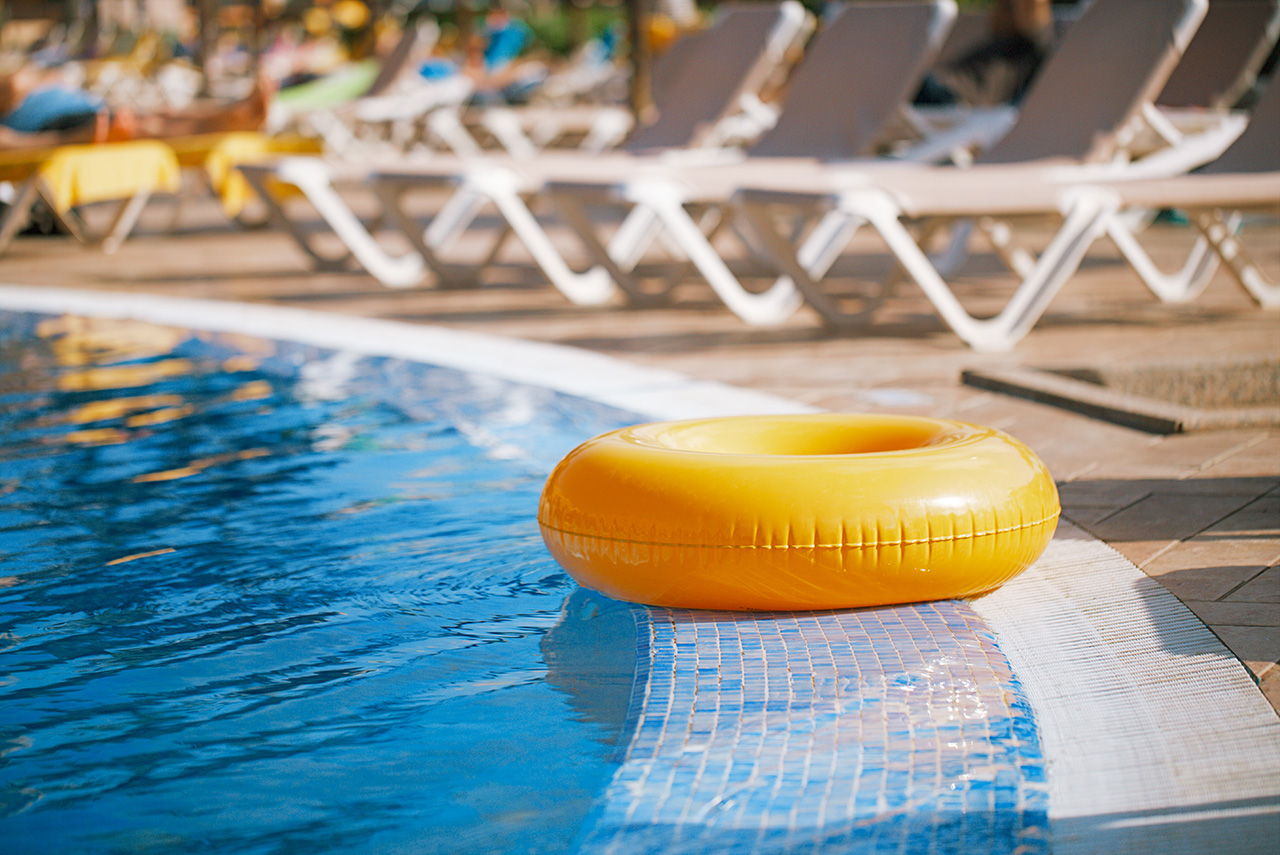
(1209, 553)
(1204, 584)
(1270, 685)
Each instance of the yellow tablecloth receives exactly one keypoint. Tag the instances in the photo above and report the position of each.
(218, 154)
(81, 174)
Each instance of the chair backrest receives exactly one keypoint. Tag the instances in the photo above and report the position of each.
(696, 86)
(396, 62)
(1223, 59)
(971, 29)
(1258, 148)
(856, 73)
(1114, 59)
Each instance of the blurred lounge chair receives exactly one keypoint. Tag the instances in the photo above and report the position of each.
(1222, 62)
(1080, 110)
(211, 159)
(1191, 119)
(1246, 176)
(703, 85)
(67, 177)
(844, 92)
(367, 102)
(523, 131)
(841, 101)
(1196, 108)
(1088, 199)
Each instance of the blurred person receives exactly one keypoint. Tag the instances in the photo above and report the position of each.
(999, 70)
(37, 109)
(491, 60)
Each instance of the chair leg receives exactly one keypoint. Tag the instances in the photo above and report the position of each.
(71, 221)
(16, 217)
(458, 213)
(445, 126)
(187, 191)
(959, 245)
(1221, 234)
(259, 177)
(1084, 220)
(505, 127)
(1000, 235)
(592, 287)
(312, 178)
(606, 131)
(804, 268)
(638, 232)
(1180, 287)
(768, 307)
(126, 218)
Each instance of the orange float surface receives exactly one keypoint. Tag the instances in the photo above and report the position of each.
(798, 512)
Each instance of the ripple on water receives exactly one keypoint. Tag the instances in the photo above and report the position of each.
(260, 597)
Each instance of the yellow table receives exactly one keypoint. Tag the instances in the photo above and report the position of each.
(69, 176)
(217, 155)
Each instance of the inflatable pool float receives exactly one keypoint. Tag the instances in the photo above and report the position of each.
(797, 512)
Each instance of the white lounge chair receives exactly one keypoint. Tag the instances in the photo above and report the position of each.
(1080, 110)
(390, 111)
(1195, 110)
(845, 91)
(705, 83)
(66, 177)
(1206, 196)
(1090, 201)
(525, 131)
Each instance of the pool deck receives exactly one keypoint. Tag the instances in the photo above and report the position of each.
(1199, 512)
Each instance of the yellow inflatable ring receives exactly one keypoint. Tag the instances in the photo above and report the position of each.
(798, 512)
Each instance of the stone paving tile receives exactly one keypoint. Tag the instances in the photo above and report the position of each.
(1207, 553)
(1257, 646)
(1226, 613)
(1262, 457)
(1090, 502)
(1112, 494)
(1202, 583)
(1087, 517)
(1262, 588)
(1150, 526)
(1261, 517)
(1068, 443)
(1181, 456)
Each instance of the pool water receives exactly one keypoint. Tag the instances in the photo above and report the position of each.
(260, 597)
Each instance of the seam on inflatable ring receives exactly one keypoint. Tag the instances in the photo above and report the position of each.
(868, 543)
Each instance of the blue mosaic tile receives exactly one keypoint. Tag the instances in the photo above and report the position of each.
(896, 730)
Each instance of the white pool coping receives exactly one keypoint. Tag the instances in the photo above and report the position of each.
(1157, 737)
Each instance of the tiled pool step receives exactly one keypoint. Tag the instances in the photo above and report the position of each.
(897, 729)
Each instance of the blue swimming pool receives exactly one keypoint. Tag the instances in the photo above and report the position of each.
(264, 597)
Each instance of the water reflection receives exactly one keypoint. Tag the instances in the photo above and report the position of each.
(591, 656)
(246, 606)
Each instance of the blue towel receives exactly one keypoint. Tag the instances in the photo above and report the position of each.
(505, 44)
(53, 109)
